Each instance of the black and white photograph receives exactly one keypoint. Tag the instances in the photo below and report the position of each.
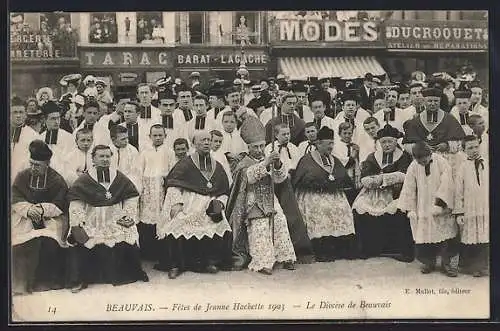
(249, 165)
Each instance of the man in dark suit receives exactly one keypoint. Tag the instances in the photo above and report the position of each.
(367, 92)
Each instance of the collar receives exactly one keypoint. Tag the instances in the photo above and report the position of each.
(317, 158)
(195, 156)
(379, 156)
(92, 171)
(431, 126)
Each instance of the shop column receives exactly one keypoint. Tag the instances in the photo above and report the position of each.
(169, 26)
(84, 27)
(124, 36)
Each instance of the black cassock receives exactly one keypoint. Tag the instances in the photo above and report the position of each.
(386, 234)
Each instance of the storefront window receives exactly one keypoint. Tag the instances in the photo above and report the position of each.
(46, 35)
(150, 29)
(474, 15)
(424, 15)
(196, 27)
(246, 28)
(103, 28)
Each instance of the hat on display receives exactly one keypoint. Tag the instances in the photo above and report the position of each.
(73, 79)
(194, 74)
(79, 100)
(89, 79)
(33, 112)
(45, 90)
(256, 88)
(100, 82)
(163, 81)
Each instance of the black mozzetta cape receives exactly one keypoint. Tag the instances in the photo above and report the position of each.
(186, 175)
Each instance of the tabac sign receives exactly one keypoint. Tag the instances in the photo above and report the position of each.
(437, 35)
(129, 58)
(344, 34)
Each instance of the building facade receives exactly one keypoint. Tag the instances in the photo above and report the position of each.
(125, 48)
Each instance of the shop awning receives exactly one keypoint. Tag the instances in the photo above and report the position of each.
(346, 67)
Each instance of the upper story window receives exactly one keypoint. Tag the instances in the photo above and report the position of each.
(196, 27)
(103, 28)
(246, 28)
(150, 29)
(42, 35)
(474, 15)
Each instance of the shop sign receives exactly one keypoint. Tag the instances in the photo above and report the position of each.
(36, 46)
(346, 34)
(220, 58)
(125, 59)
(437, 35)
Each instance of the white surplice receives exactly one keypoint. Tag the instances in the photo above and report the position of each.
(153, 167)
(19, 152)
(419, 194)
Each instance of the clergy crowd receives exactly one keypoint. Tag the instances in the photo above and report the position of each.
(227, 179)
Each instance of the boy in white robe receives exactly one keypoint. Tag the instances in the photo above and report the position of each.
(352, 113)
(462, 110)
(427, 196)
(311, 133)
(289, 153)
(371, 126)
(318, 107)
(478, 127)
(391, 114)
(179, 151)
(79, 160)
(138, 129)
(348, 153)
(153, 167)
(124, 156)
(100, 131)
(172, 120)
(472, 209)
(200, 122)
(232, 144)
(218, 154)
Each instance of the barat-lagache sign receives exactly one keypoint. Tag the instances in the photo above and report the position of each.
(328, 31)
(219, 58)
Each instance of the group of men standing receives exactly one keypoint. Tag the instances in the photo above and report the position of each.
(208, 186)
